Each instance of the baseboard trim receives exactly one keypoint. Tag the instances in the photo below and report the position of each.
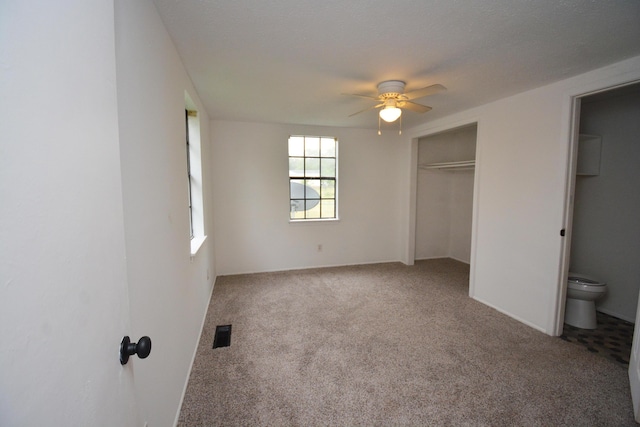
(519, 319)
(310, 267)
(617, 315)
(195, 351)
(444, 257)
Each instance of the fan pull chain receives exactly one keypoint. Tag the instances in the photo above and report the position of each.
(379, 133)
(400, 126)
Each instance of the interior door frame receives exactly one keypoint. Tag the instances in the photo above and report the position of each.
(634, 362)
(570, 184)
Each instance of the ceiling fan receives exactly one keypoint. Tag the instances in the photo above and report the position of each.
(392, 99)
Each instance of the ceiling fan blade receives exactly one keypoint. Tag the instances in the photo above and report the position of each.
(417, 108)
(425, 91)
(361, 96)
(366, 109)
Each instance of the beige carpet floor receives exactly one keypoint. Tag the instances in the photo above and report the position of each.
(388, 344)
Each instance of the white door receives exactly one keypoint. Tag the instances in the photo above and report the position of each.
(64, 304)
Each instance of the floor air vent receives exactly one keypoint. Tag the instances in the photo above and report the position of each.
(222, 337)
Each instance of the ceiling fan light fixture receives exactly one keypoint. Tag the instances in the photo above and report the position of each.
(392, 99)
(390, 113)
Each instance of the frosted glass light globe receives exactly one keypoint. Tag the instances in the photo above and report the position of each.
(390, 114)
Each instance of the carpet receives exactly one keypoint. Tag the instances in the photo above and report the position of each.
(388, 344)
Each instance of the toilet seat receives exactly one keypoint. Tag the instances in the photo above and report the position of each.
(582, 283)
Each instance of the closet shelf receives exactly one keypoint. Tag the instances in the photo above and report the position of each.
(461, 165)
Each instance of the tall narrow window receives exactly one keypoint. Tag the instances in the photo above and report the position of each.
(313, 178)
(189, 183)
(194, 175)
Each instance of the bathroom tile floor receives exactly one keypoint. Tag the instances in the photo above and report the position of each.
(611, 339)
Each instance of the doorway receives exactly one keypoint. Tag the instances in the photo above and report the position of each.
(603, 196)
(603, 229)
(444, 194)
(605, 237)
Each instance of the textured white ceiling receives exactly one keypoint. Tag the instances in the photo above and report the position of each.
(288, 61)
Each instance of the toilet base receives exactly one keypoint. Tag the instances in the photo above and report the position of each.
(580, 313)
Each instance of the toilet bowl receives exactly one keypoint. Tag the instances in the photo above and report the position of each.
(582, 292)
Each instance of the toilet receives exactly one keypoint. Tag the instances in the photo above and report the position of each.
(582, 292)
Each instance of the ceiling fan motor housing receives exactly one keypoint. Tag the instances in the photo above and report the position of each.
(391, 89)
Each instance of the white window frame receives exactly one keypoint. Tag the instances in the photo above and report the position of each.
(194, 174)
(335, 216)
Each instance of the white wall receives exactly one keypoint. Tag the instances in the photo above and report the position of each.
(169, 291)
(606, 224)
(444, 202)
(251, 188)
(461, 215)
(63, 290)
(521, 186)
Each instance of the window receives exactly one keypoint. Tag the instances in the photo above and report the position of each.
(313, 183)
(194, 176)
(189, 180)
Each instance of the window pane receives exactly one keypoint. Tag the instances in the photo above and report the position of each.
(312, 166)
(328, 189)
(328, 147)
(313, 189)
(328, 208)
(297, 208)
(296, 190)
(296, 166)
(296, 146)
(312, 146)
(313, 209)
(328, 167)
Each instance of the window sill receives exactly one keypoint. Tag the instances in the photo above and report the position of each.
(314, 220)
(196, 243)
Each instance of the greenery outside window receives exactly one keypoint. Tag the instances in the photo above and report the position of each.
(313, 179)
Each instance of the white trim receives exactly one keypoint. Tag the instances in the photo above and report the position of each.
(196, 244)
(195, 352)
(617, 315)
(613, 76)
(425, 131)
(506, 313)
(410, 249)
(558, 299)
(311, 267)
(309, 220)
(443, 257)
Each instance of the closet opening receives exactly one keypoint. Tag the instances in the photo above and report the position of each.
(445, 194)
